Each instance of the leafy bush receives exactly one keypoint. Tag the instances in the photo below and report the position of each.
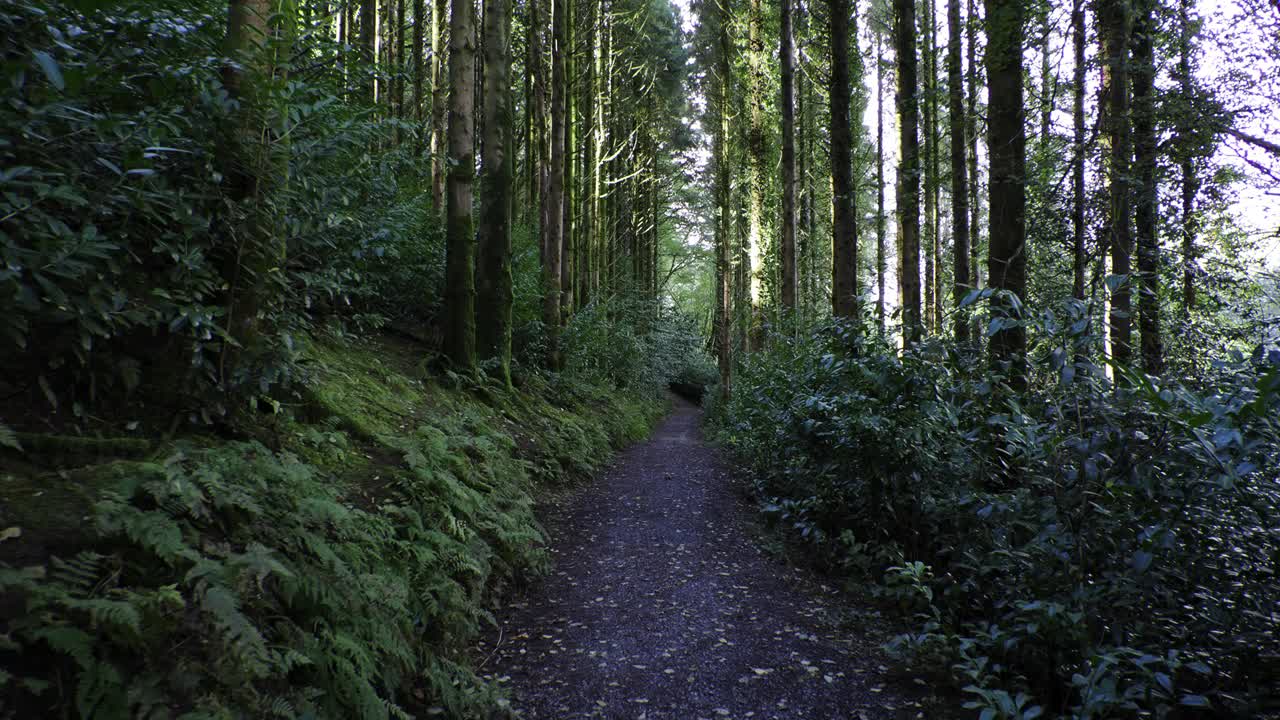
(116, 224)
(1086, 549)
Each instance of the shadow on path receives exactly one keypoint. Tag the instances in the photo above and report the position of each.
(661, 605)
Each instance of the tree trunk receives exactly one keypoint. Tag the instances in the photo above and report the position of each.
(253, 167)
(439, 166)
(1006, 143)
(369, 48)
(1113, 17)
(1144, 145)
(1189, 182)
(419, 102)
(567, 247)
(928, 88)
(908, 205)
(971, 134)
(756, 150)
(844, 237)
(493, 258)
(788, 162)
(554, 213)
(1078, 259)
(460, 290)
(881, 264)
(959, 168)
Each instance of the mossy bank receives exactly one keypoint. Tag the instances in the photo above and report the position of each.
(333, 560)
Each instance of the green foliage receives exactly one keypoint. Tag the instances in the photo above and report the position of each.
(115, 215)
(310, 581)
(1086, 549)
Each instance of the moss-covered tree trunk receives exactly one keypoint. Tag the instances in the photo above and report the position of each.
(1078, 259)
(368, 48)
(881, 264)
(460, 289)
(757, 146)
(254, 161)
(493, 262)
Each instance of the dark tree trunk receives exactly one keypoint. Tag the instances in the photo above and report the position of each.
(368, 46)
(554, 213)
(788, 162)
(1144, 145)
(460, 289)
(438, 98)
(844, 229)
(881, 264)
(1006, 143)
(959, 168)
(1113, 17)
(908, 206)
(1078, 259)
(493, 259)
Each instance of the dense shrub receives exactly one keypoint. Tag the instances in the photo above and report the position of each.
(1086, 549)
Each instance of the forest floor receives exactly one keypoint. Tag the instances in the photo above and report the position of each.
(665, 604)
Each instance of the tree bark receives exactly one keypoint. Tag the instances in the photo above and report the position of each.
(419, 102)
(438, 99)
(1189, 182)
(369, 48)
(881, 264)
(460, 289)
(1144, 145)
(929, 118)
(959, 168)
(788, 161)
(844, 237)
(1006, 143)
(1078, 259)
(554, 212)
(756, 150)
(908, 205)
(1113, 17)
(253, 167)
(971, 134)
(493, 259)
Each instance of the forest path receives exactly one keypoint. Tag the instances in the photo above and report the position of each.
(662, 605)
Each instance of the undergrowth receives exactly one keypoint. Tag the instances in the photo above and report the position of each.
(338, 567)
(1084, 549)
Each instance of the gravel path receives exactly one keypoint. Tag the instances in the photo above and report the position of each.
(662, 605)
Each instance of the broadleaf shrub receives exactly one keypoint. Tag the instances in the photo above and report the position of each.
(1086, 548)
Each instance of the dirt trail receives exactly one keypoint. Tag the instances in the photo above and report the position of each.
(662, 605)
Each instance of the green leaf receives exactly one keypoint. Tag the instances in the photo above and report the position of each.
(1195, 701)
(49, 67)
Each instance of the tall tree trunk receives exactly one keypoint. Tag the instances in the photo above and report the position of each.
(959, 170)
(460, 289)
(493, 257)
(419, 102)
(788, 162)
(928, 88)
(756, 152)
(255, 166)
(1189, 182)
(567, 247)
(1144, 145)
(881, 264)
(844, 229)
(554, 214)
(1113, 17)
(369, 48)
(1006, 143)
(908, 205)
(439, 166)
(589, 190)
(1078, 259)
(971, 134)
